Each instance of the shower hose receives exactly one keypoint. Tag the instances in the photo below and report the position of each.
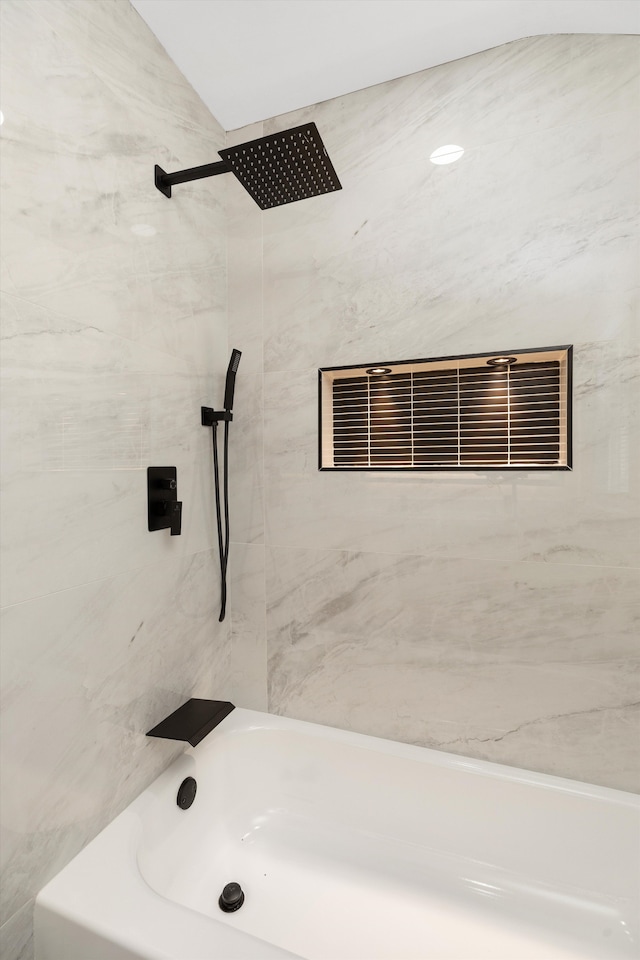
(223, 540)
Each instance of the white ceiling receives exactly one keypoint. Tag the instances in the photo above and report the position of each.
(254, 59)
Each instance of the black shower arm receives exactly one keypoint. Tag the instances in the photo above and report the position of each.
(164, 181)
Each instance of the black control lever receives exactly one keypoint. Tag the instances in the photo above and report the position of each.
(176, 518)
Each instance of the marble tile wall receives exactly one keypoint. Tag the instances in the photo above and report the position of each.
(493, 615)
(490, 615)
(114, 333)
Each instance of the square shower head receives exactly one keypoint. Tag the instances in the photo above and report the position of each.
(283, 167)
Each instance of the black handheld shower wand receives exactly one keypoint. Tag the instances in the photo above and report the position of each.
(230, 382)
(211, 418)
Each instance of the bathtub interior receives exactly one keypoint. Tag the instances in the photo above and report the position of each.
(349, 847)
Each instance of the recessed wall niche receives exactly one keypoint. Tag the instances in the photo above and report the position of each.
(491, 411)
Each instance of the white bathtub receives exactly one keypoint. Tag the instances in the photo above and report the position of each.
(351, 848)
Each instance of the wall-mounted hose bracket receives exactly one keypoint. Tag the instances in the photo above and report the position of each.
(209, 416)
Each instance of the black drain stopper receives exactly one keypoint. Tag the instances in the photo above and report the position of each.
(186, 793)
(231, 898)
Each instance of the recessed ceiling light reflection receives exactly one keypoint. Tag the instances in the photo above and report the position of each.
(447, 154)
(501, 361)
(377, 371)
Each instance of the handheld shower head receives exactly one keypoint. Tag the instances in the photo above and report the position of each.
(211, 418)
(231, 379)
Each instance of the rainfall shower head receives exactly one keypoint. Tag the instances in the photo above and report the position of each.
(229, 386)
(281, 168)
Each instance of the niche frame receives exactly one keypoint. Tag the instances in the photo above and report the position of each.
(327, 420)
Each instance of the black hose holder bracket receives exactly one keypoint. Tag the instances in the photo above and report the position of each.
(209, 416)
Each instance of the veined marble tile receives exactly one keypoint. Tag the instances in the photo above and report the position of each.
(75, 710)
(132, 277)
(160, 287)
(246, 469)
(244, 272)
(460, 655)
(524, 87)
(245, 304)
(16, 935)
(472, 517)
(83, 416)
(556, 744)
(588, 516)
(244, 248)
(248, 625)
(117, 45)
(528, 243)
(84, 231)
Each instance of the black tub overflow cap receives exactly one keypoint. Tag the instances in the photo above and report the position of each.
(231, 898)
(186, 793)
